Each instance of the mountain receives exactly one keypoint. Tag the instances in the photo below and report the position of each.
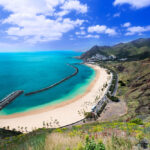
(137, 49)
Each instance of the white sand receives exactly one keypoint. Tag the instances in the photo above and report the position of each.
(63, 113)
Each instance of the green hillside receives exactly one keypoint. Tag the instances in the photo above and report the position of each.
(134, 86)
(96, 136)
(137, 49)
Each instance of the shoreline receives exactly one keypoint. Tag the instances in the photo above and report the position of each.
(62, 113)
(53, 106)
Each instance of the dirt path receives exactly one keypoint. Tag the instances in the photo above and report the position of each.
(113, 110)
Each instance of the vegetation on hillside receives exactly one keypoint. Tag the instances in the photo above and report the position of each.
(97, 136)
(137, 49)
(7, 133)
(134, 86)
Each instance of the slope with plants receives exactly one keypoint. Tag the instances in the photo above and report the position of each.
(96, 136)
(137, 49)
(134, 86)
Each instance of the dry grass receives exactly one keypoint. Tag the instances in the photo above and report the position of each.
(113, 140)
(119, 143)
(59, 141)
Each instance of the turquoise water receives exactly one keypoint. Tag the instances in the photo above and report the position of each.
(33, 71)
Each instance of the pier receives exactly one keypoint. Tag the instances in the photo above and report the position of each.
(8, 99)
(57, 83)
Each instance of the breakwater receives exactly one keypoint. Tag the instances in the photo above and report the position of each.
(8, 99)
(57, 83)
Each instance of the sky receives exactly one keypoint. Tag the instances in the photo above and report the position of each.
(43, 25)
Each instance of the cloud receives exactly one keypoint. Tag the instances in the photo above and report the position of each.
(62, 13)
(92, 36)
(116, 15)
(30, 6)
(97, 28)
(89, 36)
(127, 24)
(82, 28)
(102, 29)
(80, 33)
(39, 28)
(137, 30)
(83, 34)
(74, 5)
(71, 5)
(134, 3)
(42, 20)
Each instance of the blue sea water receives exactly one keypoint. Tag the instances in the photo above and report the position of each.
(35, 70)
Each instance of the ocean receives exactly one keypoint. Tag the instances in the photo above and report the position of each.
(31, 71)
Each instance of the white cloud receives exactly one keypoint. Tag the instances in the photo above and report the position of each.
(97, 28)
(40, 21)
(41, 29)
(30, 6)
(82, 28)
(89, 36)
(62, 13)
(12, 38)
(102, 29)
(75, 5)
(134, 3)
(80, 33)
(116, 15)
(92, 36)
(127, 24)
(137, 30)
(110, 31)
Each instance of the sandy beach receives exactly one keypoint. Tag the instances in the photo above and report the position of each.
(63, 113)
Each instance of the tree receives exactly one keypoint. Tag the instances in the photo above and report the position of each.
(44, 124)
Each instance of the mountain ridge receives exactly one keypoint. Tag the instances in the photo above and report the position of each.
(136, 49)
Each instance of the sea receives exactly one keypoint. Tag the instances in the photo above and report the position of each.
(31, 71)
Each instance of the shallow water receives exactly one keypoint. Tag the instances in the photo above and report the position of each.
(35, 70)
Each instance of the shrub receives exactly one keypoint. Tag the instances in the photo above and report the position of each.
(122, 83)
(137, 121)
(113, 98)
(89, 115)
(79, 147)
(100, 146)
(92, 145)
(108, 71)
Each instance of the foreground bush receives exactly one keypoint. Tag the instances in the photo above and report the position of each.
(113, 98)
(90, 144)
(137, 121)
(122, 83)
(89, 115)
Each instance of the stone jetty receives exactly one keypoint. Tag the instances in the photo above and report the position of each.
(9, 98)
(57, 83)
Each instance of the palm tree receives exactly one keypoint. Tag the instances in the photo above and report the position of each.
(26, 129)
(22, 129)
(7, 127)
(44, 124)
(47, 125)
